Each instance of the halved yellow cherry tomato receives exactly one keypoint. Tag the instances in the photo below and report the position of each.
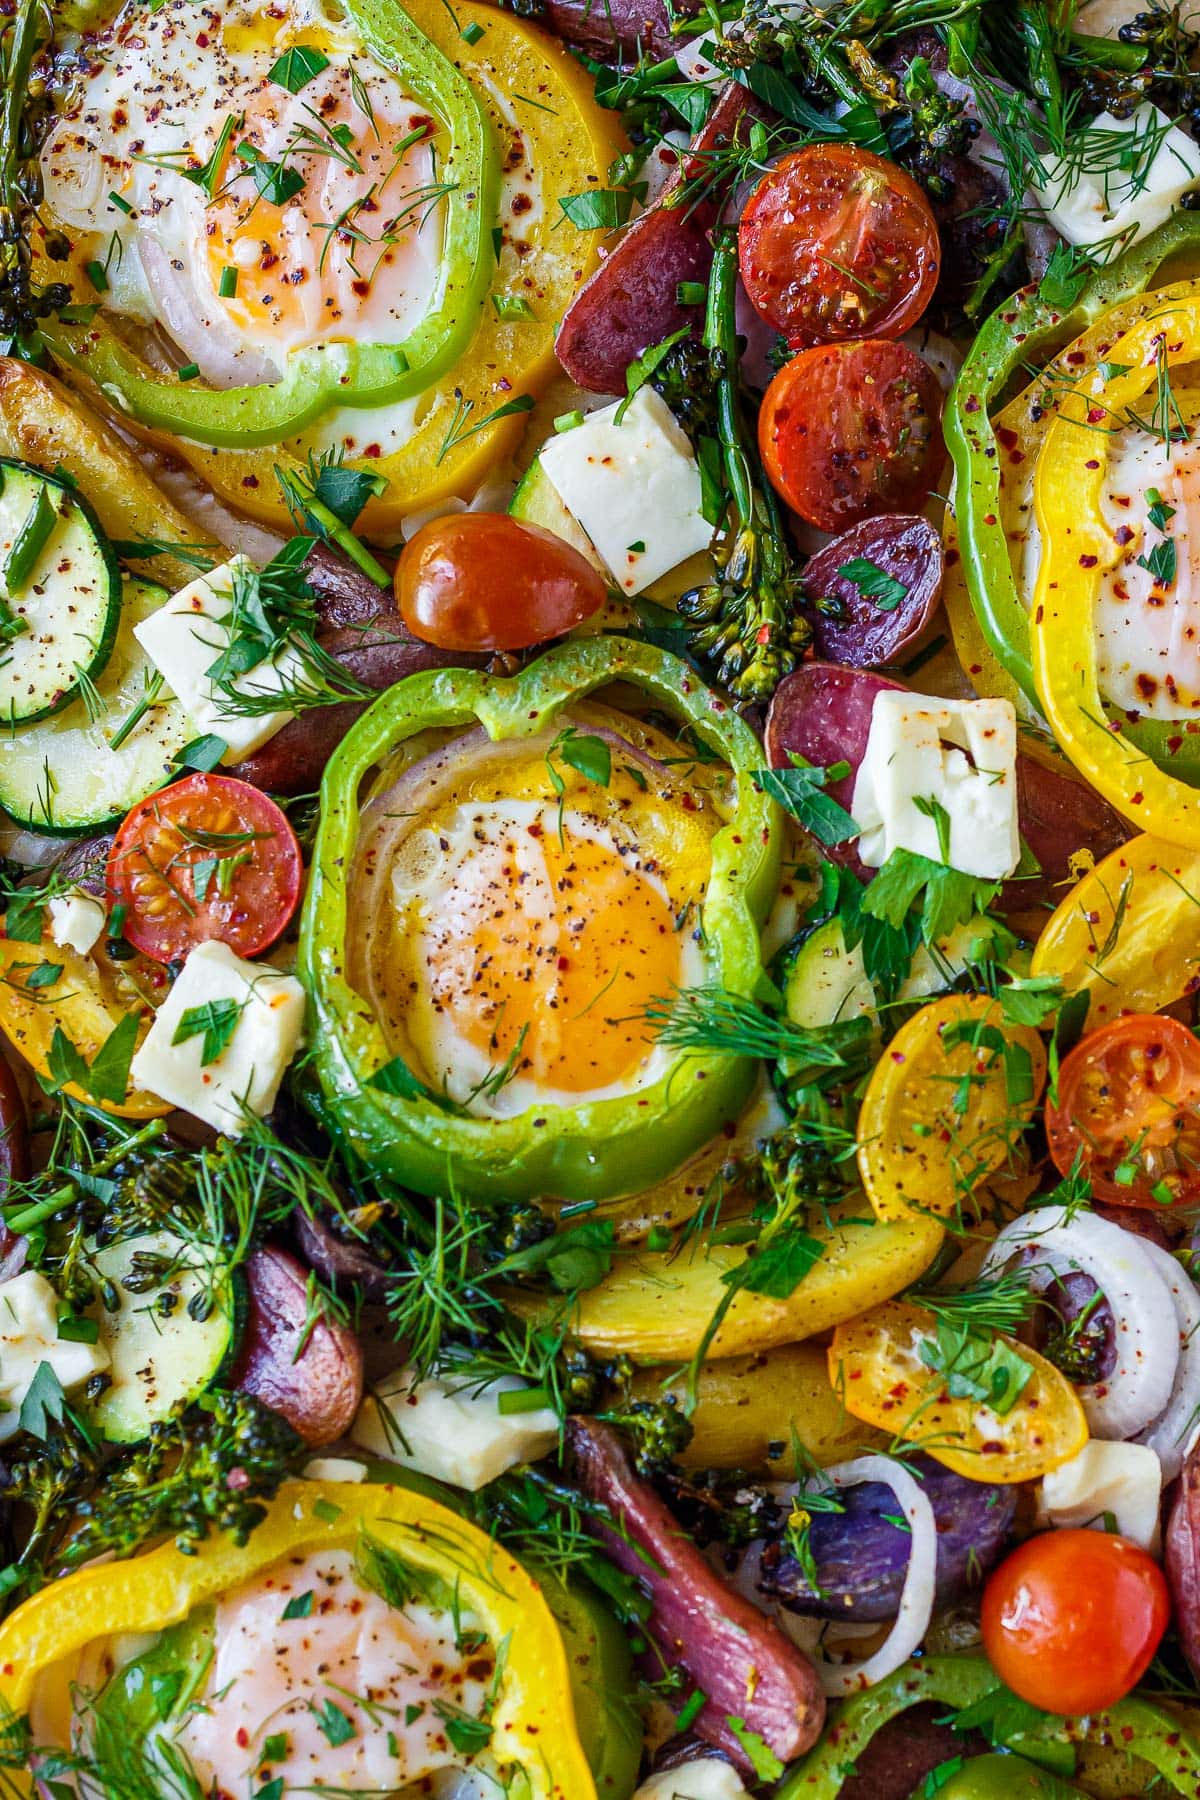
(656, 1308)
(82, 1003)
(876, 1367)
(1128, 932)
(946, 1105)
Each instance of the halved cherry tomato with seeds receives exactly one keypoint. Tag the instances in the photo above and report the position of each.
(207, 858)
(1128, 1109)
(836, 243)
(485, 581)
(1072, 1619)
(851, 430)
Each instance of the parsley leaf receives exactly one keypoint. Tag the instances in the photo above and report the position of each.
(976, 1366)
(336, 1727)
(44, 1402)
(599, 209)
(777, 1270)
(215, 1021)
(297, 67)
(800, 791)
(24, 920)
(948, 897)
(107, 1078)
(1162, 563)
(1030, 999)
(874, 583)
(763, 1760)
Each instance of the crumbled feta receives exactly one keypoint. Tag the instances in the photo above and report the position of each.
(77, 920)
(634, 487)
(1119, 179)
(932, 762)
(1122, 1480)
(245, 1076)
(186, 636)
(29, 1310)
(451, 1429)
(334, 1468)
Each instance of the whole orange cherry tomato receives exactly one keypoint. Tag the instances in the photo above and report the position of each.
(835, 243)
(1129, 1109)
(1072, 1619)
(850, 430)
(485, 581)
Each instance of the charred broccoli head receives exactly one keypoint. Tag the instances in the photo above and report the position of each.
(655, 1430)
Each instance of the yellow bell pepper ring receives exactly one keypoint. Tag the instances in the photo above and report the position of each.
(1128, 932)
(946, 1105)
(532, 1721)
(1079, 547)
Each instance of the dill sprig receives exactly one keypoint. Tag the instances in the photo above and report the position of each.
(711, 1018)
(1001, 1304)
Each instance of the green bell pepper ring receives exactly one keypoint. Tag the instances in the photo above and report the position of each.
(1136, 1726)
(343, 373)
(599, 1149)
(1027, 330)
(1002, 1778)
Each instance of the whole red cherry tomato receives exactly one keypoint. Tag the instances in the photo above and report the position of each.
(208, 858)
(1072, 1619)
(836, 243)
(485, 581)
(1129, 1109)
(851, 430)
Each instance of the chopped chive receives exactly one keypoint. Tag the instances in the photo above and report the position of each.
(568, 421)
(98, 276)
(114, 199)
(326, 1511)
(189, 371)
(691, 293)
(497, 240)
(658, 1238)
(473, 32)
(522, 1400)
(227, 286)
(512, 306)
(691, 1709)
(637, 548)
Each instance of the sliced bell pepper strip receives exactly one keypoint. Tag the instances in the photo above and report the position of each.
(1128, 932)
(877, 1368)
(1023, 331)
(568, 142)
(1078, 547)
(533, 1725)
(946, 1105)
(599, 1148)
(1139, 1727)
(656, 1308)
(342, 373)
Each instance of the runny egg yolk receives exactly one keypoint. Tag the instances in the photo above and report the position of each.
(316, 201)
(547, 951)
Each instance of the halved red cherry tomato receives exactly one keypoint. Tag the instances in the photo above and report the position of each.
(1129, 1109)
(837, 243)
(851, 430)
(485, 581)
(1072, 1619)
(208, 858)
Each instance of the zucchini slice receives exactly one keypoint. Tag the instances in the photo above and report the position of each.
(823, 983)
(60, 593)
(62, 774)
(167, 1342)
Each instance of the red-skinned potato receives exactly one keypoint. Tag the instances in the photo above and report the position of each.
(1182, 1560)
(871, 630)
(314, 1377)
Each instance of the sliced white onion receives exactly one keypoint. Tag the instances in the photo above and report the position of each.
(1144, 1320)
(1174, 1431)
(917, 1595)
(223, 355)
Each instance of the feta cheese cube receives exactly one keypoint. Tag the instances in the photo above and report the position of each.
(634, 487)
(185, 637)
(334, 1468)
(28, 1338)
(1122, 1479)
(927, 758)
(1124, 189)
(77, 920)
(245, 1076)
(449, 1428)
(703, 1778)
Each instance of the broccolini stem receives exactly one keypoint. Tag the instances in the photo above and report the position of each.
(720, 334)
(26, 1217)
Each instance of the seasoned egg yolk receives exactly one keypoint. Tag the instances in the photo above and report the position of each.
(316, 204)
(546, 951)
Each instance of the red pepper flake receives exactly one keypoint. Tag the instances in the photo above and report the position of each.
(1088, 562)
